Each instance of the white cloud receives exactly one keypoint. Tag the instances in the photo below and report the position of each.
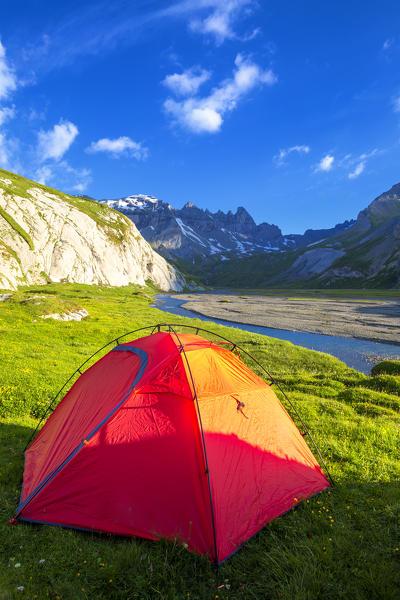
(123, 145)
(357, 171)
(326, 163)
(387, 44)
(188, 82)
(8, 80)
(53, 144)
(81, 187)
(205, 120)
(251, 35)
(62, 174)
(279, 158)
(35, 115)
(204, 115)
(219, 23)
(4, 152)
(10, 153)
(80, 178)
(355, 165)
(369, 154)
(352, 165)
(396, 104)
(6, 113)
(44, 174)
(99, 27)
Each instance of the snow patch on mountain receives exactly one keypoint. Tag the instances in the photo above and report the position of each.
(192, 234)
(186, 230)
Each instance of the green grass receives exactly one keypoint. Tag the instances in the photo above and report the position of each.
(17, 228)
(9, 252)
(340, 544)
(258, 270)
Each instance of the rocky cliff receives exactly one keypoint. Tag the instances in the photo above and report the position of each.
(46, 235)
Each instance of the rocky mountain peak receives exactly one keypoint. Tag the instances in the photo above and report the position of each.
(385, 207)
(192, 233)
(243, 216)
(242, 211)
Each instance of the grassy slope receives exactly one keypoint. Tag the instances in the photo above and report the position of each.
(20, 230)
(341, 544)
(249, 271)
(265, 270)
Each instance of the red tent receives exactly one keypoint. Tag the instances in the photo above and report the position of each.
(174, 436)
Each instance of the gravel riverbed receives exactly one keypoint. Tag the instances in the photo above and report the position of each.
(370, 319)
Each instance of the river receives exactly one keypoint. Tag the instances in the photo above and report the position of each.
(358, 354)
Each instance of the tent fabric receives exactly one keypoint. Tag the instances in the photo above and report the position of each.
(169, 436)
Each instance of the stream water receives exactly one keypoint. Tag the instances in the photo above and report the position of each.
(358, 354)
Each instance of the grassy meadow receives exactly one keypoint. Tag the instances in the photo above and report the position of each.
(343, 543)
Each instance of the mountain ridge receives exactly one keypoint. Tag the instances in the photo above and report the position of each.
(191, 233)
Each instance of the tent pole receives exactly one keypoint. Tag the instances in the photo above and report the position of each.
(273, 381)
(182, 348)
(78, 370)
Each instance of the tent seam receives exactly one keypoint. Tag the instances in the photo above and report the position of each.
(182, 348)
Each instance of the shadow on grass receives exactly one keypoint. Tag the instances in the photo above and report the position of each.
(351, 551)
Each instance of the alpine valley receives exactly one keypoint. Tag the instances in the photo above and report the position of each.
(230, 250)
(46, 235)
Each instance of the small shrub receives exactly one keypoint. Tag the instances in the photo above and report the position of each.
(389, 367)
(45, 276)
(384, 383)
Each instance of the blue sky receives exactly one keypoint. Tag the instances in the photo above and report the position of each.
(290, 109)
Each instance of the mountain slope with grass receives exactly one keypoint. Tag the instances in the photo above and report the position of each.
(367, 254)
(343, 543)
(46, 235)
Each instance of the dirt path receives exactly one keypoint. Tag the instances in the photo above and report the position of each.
(377, 320)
